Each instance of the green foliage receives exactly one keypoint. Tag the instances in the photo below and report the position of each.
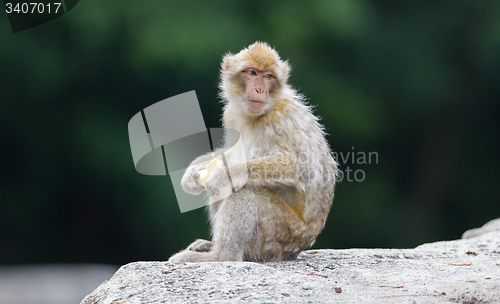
(418, 82)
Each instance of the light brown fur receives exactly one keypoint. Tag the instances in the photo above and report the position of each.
(282, 207)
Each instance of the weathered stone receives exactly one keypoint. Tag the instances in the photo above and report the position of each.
(461, 271)
(493, 225)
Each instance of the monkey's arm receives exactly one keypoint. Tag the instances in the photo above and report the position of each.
(268, 171)
(275, 170)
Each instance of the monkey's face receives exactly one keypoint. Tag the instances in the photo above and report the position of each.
(253, 79)
(258, 90)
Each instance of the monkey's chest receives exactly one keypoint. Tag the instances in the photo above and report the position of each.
(256, 144)
(256, 148)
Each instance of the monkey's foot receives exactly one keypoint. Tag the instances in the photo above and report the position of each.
(188, 256)
(201, 246)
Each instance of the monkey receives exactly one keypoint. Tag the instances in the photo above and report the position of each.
(282, 206)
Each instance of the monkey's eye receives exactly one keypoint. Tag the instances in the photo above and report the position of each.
(269, 75)
(252, 72)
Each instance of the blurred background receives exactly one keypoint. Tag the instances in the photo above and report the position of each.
(416, 82)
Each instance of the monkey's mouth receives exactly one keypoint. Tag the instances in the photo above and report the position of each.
(256, 104)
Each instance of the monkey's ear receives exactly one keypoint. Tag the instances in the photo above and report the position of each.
(286, 68)
(227, 61)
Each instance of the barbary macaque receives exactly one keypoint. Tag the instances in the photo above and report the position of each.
(283, 201)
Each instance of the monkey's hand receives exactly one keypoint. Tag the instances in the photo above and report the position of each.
(189, 181)
(217, 180)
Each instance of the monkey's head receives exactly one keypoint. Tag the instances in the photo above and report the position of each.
(254, 78)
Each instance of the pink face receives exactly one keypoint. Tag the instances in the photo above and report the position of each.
(259, 87)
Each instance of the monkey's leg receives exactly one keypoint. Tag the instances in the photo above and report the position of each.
(254, 224)
(282, 231)
(234, 230)
(235, 225)
(257, 224)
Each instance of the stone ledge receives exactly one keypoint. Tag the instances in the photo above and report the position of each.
(460, 271)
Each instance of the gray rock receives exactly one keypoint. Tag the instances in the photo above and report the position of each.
(461, 271)
(493, 225)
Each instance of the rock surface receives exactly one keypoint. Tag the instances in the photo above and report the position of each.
(493, 225)
(461, 271)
